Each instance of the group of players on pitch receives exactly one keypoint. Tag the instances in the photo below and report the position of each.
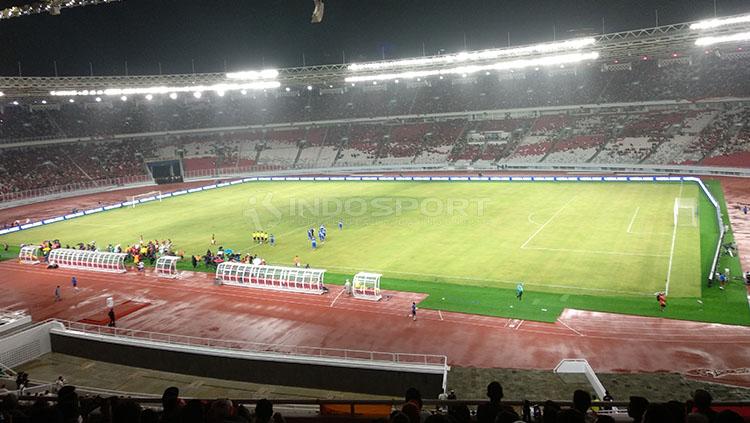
(321, 235)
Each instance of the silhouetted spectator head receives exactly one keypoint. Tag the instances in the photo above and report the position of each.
(702, 399)
(263, 410)
(637, 407)
(495, 391)
(220, 410)
(126, 411)
(460, 413)
(581, 400)
(677, 411)
(170, 398)
(605, 419)
(729, 416)
(412, 411)
(67, 402)
(413, 395)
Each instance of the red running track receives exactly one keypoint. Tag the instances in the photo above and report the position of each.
(193, 305)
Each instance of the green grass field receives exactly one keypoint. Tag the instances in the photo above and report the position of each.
(594, 246)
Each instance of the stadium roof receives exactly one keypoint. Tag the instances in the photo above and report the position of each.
(652, 43)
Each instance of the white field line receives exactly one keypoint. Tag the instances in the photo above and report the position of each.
(519, 324)
(612, 253)
(671, 250)
(337, 297)
(630, 227)
(469, 278)
(547, 223)
(440, 314)
(573, 330)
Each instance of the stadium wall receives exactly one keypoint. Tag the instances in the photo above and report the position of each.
(307, 372)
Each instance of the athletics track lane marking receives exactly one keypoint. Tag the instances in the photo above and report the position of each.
(575, 331)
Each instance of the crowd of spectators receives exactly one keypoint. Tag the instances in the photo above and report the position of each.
(68, 407)
(385, 141)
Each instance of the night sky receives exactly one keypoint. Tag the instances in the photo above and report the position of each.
(247, 34)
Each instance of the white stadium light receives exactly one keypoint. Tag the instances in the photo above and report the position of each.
(506, 65)
(173, 96)
(243, 92)
(124, 98)
(254, 75)
(575, 44)
(44, 101)
(2, 94)
(149, 97)
(150, 91)
(197, 94)
(707, 41)
(15, 102)
(220, 93)
(309, 88)
(287, 89)
(70, 100)
(715, 23)
(98, 99)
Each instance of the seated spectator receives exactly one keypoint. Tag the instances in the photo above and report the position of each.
(702, 402)
(413, 396)
(486, 413)
(171, 405)
(582, 403)
(636, 408)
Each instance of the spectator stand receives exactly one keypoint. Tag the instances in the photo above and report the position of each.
(95, 261)
(366, 286)
(278, 278)
(29, 254)
(166, 267)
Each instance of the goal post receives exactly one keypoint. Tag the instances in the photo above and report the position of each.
(144, 198)
(685, 211)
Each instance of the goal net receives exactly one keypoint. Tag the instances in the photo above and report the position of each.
(685, 211)
(146, 197)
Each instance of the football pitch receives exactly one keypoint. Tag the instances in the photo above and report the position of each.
(594, 246)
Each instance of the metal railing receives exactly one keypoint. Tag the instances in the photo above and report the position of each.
(247, 346)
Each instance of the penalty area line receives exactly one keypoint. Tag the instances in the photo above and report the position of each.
(671, 250)
(547, 222)
(630, 227)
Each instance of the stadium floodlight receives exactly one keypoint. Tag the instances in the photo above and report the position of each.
(309, 88)
(707, 41)
(2, 94)
(253, 75)
(44, 101)
(15, 102)
(197, 94)
(715, 23)
(220, 93)
(70, 100)
(150, 91)
(124, 98)
(173, 96)
(470, 69)
(149, 97)
(243, 92)
(98, 99)
(560, 46)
